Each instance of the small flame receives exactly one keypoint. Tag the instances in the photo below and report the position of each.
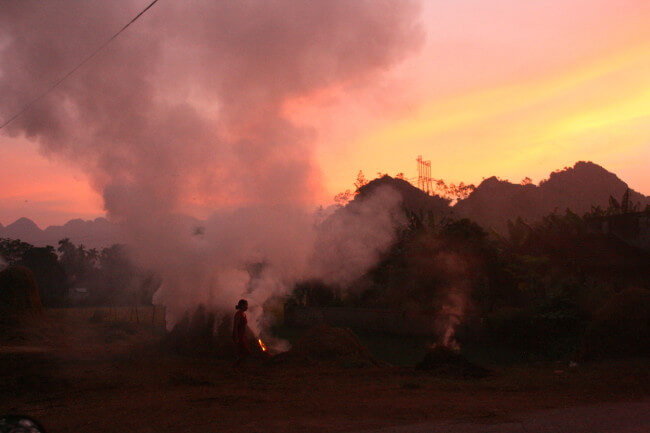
(262, 345)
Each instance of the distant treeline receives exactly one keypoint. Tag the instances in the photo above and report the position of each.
(73, 275)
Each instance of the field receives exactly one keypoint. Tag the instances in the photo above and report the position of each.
(145, 315)
(78, 373)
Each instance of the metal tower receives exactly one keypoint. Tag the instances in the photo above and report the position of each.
(424, 175)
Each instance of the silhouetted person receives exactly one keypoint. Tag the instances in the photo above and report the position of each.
(239, 336)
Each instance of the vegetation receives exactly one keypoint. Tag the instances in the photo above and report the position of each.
(540, 289)
(72, 274)
(559, 286)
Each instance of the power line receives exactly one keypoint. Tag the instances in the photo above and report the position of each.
(73, 70)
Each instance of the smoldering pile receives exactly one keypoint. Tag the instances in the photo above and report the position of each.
(209, 333)
(444, 360)
(206, 333)
(323, 344)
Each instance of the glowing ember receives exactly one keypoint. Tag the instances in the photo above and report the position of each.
(262, 346)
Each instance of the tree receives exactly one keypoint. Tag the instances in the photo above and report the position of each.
(118, 274)
(79, 264)
(625, 202)
(361, 181)
(13, 250)
(343, 198)
(625, 206)
(595, 212)
(453, 191)
(614, 207)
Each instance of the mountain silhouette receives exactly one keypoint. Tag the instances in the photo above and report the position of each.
(21, 228)
(491, 204)
(578, 188)
(93, 234)
(413, 199)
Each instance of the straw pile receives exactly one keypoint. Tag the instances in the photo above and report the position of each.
(325, 344)
(18, 292)
(446, 361)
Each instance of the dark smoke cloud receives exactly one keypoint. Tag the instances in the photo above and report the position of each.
(183, 113)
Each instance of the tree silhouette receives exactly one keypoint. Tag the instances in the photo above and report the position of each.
(13, 250)
(361, 181)
(343, 198)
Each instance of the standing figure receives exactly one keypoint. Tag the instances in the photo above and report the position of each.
(239, 336)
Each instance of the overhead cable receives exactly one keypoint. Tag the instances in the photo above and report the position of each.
(73, 70)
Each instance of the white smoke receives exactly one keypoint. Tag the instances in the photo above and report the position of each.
(181, 117)
(352, 240)
(454, 301)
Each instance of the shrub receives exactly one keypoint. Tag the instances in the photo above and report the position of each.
(551, 329)
(621, 328)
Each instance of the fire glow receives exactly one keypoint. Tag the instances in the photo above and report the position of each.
(262, 345)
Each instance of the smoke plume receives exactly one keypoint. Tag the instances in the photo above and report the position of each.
(454, 300)
(352, 240)
(181, 118)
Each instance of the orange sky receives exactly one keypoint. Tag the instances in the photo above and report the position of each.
(504, 88)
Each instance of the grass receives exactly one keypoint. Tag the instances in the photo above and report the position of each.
(142, 314)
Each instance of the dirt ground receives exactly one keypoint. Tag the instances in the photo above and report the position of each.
(76, 375)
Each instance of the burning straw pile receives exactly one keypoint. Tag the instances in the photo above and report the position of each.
(325, 344)
(447, 361)
(206, 333)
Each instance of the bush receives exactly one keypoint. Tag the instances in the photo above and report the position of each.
(621, 328)
(551, 329)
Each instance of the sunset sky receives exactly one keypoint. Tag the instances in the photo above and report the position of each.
(496, 87)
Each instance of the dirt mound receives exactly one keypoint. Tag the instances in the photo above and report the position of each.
(18, 292)
(324, 344)
(445, 361)
(206, 333)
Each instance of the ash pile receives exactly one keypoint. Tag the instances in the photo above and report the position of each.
(323, 344)
(447, 361)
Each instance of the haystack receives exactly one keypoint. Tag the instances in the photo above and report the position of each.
(325, 344)
(19, 292)
(446, 361)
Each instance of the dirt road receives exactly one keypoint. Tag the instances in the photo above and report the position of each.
(626, 417)
(79, 376)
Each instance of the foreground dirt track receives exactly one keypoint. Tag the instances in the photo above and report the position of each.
(620, 417)
(84, 377)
